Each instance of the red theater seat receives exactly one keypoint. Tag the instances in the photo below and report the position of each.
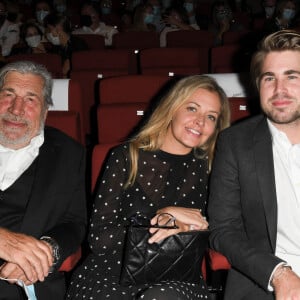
(190, 38)
(131, 88)
(136, 40)
(50, 60)
(217, 261)
(117, 121)
(92, 65)
(93, 41)
(178, 61)
(239, 108)
(71, 261)
(66, 121)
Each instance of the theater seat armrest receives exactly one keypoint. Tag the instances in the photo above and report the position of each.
(70, 262)
(217, 261)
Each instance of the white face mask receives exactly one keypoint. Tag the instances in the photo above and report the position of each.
(288, 14)
(53, 39)
(33, 41)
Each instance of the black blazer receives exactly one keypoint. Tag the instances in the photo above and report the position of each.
(242, 208)
(57, 204)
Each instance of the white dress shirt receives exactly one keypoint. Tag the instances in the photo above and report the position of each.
(287, 180)
(14, 162)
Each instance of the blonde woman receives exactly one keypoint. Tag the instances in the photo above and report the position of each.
(163, 169)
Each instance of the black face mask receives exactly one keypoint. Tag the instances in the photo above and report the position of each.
(86, 20)
(12, 17)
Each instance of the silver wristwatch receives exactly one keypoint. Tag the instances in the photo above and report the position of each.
(55, 248)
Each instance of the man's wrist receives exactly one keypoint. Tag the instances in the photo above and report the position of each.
(54, 246)
(280, 272)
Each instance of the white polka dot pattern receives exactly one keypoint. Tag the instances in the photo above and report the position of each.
(163, 180)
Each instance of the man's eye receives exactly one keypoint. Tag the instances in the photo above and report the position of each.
(9, 95)
(29, 99)
(268, 78)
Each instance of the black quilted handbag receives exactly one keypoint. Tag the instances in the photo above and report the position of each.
(178, 257)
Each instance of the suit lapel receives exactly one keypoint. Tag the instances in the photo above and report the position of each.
(37, 213)
(263, 156)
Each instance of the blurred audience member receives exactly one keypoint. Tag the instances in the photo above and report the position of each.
(269, 8)
(9, 30)
(175, 19)
(143, 18)
(31, 40)
(284, 17)
(222, 21)
(157, 13)
(242, 12)
(91, 23)
(108, 15)
(42, 9)
(267, 13)
(60, 6)
(126, 20)
(65, 43)
(190, 7)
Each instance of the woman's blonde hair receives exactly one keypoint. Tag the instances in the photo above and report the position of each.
(152, 134)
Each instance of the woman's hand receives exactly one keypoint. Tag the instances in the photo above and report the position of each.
(186, 219)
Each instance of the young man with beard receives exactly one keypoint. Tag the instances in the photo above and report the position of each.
(254, 203)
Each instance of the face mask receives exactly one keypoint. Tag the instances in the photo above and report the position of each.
(61, 8)
(41, 14)
(53, 39)
(269, 10)
(33, 41)
(288, 14)
(189, 7)
(106, 10)
(149, 18)
(156, 10)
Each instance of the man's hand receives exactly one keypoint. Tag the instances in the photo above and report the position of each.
(33, 256)
(286, 284)
(13, 271)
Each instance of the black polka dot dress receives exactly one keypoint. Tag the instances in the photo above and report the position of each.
(163, 179)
